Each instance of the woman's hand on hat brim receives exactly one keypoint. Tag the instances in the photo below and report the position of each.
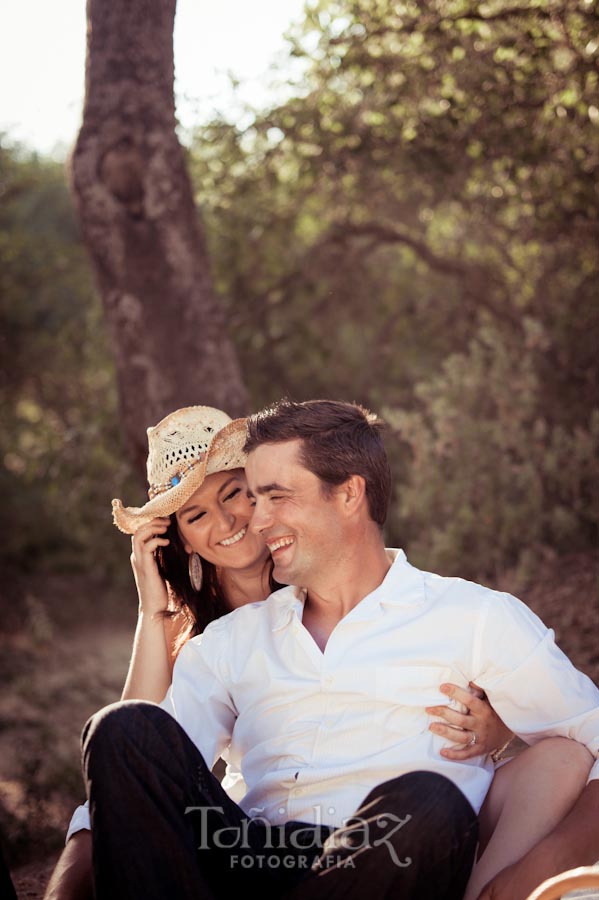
(151, 589)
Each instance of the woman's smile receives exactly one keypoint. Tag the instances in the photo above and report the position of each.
(234, 539)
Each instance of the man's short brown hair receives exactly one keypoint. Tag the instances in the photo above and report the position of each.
(338, 440)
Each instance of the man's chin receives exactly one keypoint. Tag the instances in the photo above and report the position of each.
(280, 575)
(283, 574)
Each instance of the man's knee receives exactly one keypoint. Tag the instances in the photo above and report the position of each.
(116, 724)
(425, 795)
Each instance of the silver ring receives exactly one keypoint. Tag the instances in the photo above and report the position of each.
(473, 740)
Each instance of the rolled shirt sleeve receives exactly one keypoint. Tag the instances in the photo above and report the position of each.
(198, 697)
(530, 682)
(80, 821)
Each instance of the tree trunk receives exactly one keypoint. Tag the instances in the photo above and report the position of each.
(135, 203)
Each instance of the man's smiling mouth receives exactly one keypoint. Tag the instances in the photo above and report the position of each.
(280, 542)
(235, 538)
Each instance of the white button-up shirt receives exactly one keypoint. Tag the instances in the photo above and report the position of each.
(312, 732)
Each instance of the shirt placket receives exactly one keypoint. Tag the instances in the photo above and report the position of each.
(324, 748)
(296, 799)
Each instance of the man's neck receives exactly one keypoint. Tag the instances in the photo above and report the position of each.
(359, 570)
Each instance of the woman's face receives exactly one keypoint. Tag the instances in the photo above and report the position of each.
(214, 522)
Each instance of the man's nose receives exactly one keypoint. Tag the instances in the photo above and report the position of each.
(261, 518)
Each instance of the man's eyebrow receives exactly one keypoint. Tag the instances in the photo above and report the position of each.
(268, 488)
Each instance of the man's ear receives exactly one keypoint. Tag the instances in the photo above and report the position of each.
(353, 493)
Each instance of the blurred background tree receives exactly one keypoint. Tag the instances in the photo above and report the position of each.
(134, 201)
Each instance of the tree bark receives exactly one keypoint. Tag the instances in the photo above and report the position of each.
(135, 204)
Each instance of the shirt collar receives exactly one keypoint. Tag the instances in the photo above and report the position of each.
(285, 602)
(403, 585)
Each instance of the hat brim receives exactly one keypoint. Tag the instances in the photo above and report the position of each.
(224, 453)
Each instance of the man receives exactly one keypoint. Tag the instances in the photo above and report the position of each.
(318, 694)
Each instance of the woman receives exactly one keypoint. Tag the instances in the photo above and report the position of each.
(193, 536)
(194, 559)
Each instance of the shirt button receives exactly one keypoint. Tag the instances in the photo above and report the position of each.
(329, 680)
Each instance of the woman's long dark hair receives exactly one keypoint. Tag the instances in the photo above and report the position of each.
(203, 606)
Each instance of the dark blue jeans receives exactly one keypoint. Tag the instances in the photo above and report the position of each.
(163, 827)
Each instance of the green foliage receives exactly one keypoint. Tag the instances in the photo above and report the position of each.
(430, 191)
(490, 478)
(60, 450)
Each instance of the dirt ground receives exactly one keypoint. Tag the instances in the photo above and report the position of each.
(65, 648)
(57, 670)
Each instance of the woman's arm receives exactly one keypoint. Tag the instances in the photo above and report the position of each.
(148, 678)
(150, 668)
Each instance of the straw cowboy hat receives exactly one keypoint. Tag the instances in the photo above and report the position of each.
(184, 448)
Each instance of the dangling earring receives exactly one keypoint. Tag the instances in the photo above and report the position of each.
(196, 576)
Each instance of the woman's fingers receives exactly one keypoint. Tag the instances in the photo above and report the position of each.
(459, 727)
(455, 735)
(480, 720)
(478, 691)
(452, 716)
(160, 523)
(464, 696)
(467, 752)
(144, 536)
(153, 545)
(150, 547)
